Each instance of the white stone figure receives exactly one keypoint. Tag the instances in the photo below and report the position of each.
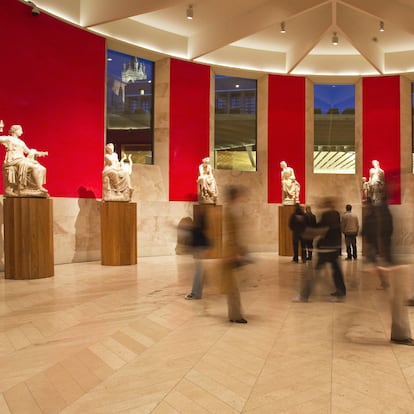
(207, 187)
(116, 183)
(23, 175)
(364, 188)
(290, 187)
(376, 182)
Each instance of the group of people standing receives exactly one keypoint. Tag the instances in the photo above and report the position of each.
(327, 233)
(376, 232)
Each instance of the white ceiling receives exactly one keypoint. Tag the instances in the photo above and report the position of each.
(246, 33)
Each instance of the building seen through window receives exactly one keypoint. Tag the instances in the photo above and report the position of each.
(235, 124)
(334, 129)
(129, 109)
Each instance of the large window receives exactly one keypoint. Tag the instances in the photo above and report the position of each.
(235, 123)
(129, 111)
(334, 129)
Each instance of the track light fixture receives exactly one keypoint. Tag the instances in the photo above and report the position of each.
(282, 27)
(335, 39)
(190, 12)
(381, 26)
(35, 9)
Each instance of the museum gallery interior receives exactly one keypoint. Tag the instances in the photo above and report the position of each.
(124, 125)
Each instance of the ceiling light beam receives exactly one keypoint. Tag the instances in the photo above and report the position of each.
(322, 17)
(239, 26)
(361, 39)
(93, 13)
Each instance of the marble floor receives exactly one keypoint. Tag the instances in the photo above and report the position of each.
(100, 339)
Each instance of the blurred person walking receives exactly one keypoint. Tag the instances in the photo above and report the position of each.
(378, 231)
(329, 246)
(327, 234)
(310, 220)
(297, 223)
(372, 236)
(199, 243)
(234, 252)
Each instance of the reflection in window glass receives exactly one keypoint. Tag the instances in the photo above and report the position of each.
(129, 108)
(334, 129)
(235, 123)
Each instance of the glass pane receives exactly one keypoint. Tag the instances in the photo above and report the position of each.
(129, 110)
(334, 129)
(235, 123)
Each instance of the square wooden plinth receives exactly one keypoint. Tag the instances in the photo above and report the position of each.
(118, 233)
(28, 238)
(285, 234)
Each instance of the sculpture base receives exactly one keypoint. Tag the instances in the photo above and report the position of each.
(118, 233)
(213, 215)
(290, 202)
(285, 234)
(204, 200)
(28, 238)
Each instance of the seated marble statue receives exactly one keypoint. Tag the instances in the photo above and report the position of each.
(207, 187)
(23, 175)
(290, 187)
(116, 176)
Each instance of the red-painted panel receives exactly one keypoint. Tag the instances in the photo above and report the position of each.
(53, 83)
(286, 132)
(381, 130)
(189, 126)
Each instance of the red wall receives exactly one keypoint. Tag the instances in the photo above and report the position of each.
(189, 126)
(286, 132)
(381, 130)
(53, 82)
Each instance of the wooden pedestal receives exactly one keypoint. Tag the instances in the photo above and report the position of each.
(28, 238)
(285, 234)
(213, 227)
(118, 233)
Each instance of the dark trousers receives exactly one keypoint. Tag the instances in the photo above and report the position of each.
(296, 238)
(309, 249)
(337, 275)
(351, 247)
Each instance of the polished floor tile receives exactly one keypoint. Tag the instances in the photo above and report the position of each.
(102, 339)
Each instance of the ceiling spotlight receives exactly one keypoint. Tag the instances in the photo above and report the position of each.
(35, 9)
(381, 26)
(190, 12)
(335, 39)
(282, 27)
